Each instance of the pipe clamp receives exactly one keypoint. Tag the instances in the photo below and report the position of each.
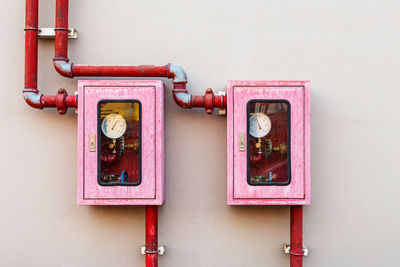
(286, 249)
(50, 33)
(160, 251)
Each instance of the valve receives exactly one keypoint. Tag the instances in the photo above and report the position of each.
(124, 176)
(269, 148)
(258, 146)
(113, 146)
(115, 178)
(134, 145)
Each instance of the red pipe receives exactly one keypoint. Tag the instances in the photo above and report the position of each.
(109, 158)
(255, 159)
(61, 63)
(172, 71)
(209, 101)
(61, 101)
(120, 71)
(61, 29)
(296, 236)
(31, 44)
(151, 236)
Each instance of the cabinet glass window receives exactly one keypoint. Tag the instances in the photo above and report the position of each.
(119, 145)
(268, 142)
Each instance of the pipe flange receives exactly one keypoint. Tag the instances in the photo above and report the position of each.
(209, 101)
(61, 101)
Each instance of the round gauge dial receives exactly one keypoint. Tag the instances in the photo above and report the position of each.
(260, 125)
(113, 126)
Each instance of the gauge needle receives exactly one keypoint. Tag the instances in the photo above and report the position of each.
(258, 122)
(112, 128)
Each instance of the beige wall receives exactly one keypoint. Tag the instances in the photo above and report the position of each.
(349, 50)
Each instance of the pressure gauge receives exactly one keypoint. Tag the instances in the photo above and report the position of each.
(113, 126)
(260, 125)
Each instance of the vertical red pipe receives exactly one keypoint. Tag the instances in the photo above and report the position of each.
(151, 236)
(296, 236)
(31, 94)
(61, 41)
(31, 44)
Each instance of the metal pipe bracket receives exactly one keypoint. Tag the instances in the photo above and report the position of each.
(160, 251)
(286, 249)
(50, 33)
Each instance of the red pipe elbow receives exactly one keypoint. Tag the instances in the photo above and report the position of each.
(64, 68)
(61, 101)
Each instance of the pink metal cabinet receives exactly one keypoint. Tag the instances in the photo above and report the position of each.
(120, 142)
(268, 143)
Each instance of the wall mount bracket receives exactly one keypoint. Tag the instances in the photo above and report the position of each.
(286, 249)
(50, 33)
(160, 251)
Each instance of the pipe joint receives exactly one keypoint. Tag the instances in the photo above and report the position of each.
(61, 101)
(32, 98)
(63, 67)
(177, 73)
(209, 101)
(183, 99)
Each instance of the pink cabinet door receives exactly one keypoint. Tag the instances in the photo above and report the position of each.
(141, 182)
(146, 96)
(240, 96)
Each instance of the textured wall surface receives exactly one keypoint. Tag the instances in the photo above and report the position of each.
(349, 50)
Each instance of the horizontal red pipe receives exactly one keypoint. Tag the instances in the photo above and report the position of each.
(61, 62)
(296, 236)
(77, 70)
(51, 102)
(181, 96)
(151, 236)
(209, 101)
(120, 71)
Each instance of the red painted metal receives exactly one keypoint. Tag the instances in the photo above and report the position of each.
(151, 236)
(31, 44)
(209, 101)
(70, 70)
(296, 236)
(255, 158)
(61, 101)
(61, 29)
(120, 71)
(109, 158)
(61, 63)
